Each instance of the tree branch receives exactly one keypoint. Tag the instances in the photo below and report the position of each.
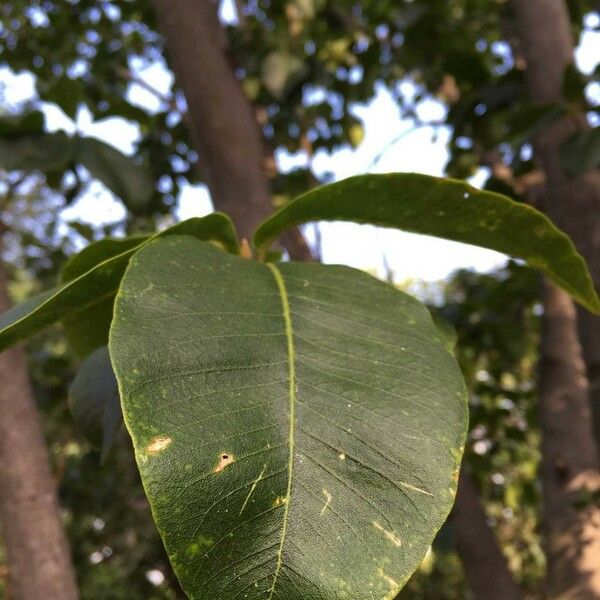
(135, 79)
(570, 473)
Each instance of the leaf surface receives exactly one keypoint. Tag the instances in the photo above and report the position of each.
(581, 152)
(444, 208)
(87, 329)
(117, 171)
(47, 152)
(95, 289)
(94, 401)
(298, 427)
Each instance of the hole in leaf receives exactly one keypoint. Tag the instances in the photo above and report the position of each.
(224, 461)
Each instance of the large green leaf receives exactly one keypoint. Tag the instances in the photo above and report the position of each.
(92, 289)
(87, 329)
(447, 209)
(298, 427)
(94, 400)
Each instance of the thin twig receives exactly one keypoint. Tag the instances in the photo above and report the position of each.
(417, 124)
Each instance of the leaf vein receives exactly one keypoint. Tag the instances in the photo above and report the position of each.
(292, 409)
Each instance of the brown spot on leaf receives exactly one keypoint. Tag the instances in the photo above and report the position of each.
(390, 535)
(158, 444)
(225, 461)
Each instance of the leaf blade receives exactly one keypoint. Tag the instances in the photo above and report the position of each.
(222, 462)
(445, 208)
(87, 330)
(131, 182)
(94, 401)
(89, 289)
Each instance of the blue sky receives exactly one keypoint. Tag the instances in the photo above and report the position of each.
(409, 256)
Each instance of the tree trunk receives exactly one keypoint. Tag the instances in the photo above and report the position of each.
(574, 204)
(570, 460)
(570, 474)
(485, 566)
(221, 118)
(39, 561)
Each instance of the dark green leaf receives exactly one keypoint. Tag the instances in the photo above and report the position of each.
(67, 93)
(85, 230)
(92, 289)
(94, 401)
(447, 209)
(528, 119)
(581, 152)
(47, 152)
(87, 329)
(298, 427)
(119, 173)
(26, 124)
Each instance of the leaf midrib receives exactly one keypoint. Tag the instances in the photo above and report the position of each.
(287, 316)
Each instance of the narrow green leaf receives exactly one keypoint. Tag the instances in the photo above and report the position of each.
(118, 172)
(581, 152)
(87, 329)
(447, 209)
(298, 427)
(47, 152)
(94, 401)
(85, 230)
(97, 252)
(21, 312)
(92, 289)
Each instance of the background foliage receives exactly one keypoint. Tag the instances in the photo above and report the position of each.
(303, 64)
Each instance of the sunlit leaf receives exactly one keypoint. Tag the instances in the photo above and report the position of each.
(298, 427)
(447, 209)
